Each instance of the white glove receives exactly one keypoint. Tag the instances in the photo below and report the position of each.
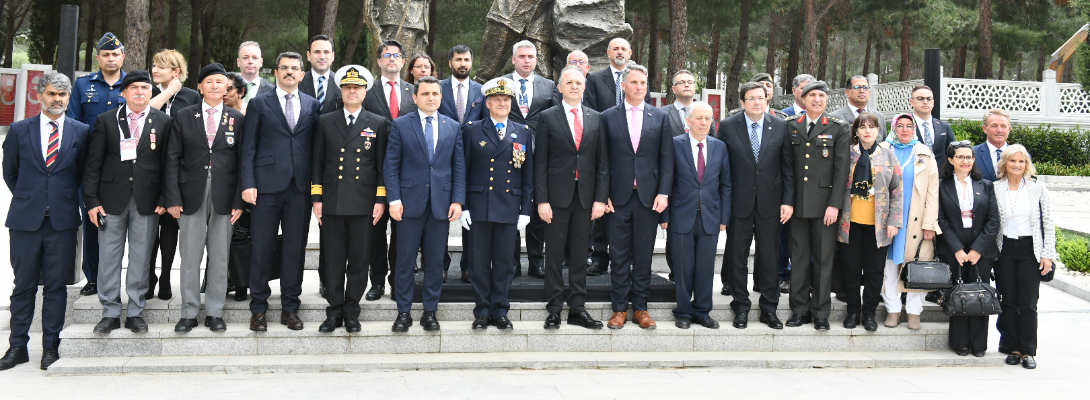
(523, 221)
(466, 222)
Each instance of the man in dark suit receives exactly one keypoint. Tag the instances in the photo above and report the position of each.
(701, 206)
(390, 97)
(249, 63)
(43, 167)
(318, 82)
(858, 92)
(821, 157)
(683, 85)
(642, 170)
(275, 165)
(201, 190)
(604, 88)
(349, 195)
(571, 188)
(997, 127)
(760, 162)
(499, 167)
(122, 184)
(931, 131)
(425, 174)
(462, 98)
(533, 95)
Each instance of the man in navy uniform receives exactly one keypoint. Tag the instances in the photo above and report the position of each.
(500, 188)
(43, 167)
(93, 94)
(426, 186)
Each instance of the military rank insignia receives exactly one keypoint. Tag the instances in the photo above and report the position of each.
(482, 143)
(518, 155)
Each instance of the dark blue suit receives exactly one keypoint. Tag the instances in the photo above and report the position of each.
(475, 107)
(697, 208)
(42, 220)
(636, 178)
(426, 185)
(497, 193)
(984, 158)
(276, 161)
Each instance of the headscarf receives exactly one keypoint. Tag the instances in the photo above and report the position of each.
(893, 140)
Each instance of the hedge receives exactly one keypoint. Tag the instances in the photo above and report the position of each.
(1074, 250)
(1068, 148)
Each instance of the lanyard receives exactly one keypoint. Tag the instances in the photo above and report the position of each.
(1015, 195)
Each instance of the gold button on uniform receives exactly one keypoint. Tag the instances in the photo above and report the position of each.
(339, 177)
(493, 160)
(357, 160)
(808, 145)
(490, 169)
(342, 159)
(806, 167)
(340, 167)
(508, 181)
(342, 150)
(357, 178)
(489, 188)
(357, 169)
(509, 171)
(490, 179)
(807, 156)
(806, 178)
(357, 150)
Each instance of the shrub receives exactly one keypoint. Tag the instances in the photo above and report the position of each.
(1045, 144)
(1074, 250)
(1047, 168)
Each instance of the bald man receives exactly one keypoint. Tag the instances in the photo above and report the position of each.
(604, 87)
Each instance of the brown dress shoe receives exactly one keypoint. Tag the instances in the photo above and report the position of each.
(644, 319)
(292, 321)
(617, 320)
(258, 323)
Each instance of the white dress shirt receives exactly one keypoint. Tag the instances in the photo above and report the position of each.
(571, 118)
(280, 93)
(965, 196)
(386, 89)
(355, 116)
(991, 155)
(529, 88)
(1019, 212)
(43, 123)
(497, 124)
(314, 78)
(920, 123)
(760, 128)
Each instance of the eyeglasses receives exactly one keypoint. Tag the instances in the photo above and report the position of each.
(860, 87)
(906, 126)
(688, 82)
(751, 99)
(962, 143)
(578, 62)
(286, 68)
(964, 158)
(925, 99)
(391, 55)
(422, 66)
(230, 88)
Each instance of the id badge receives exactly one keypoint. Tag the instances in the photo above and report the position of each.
(967, 219)
(128, 149)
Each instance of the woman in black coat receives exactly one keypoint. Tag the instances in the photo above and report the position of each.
(969, 220)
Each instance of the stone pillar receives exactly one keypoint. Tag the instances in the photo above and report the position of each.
(872, 102)
(1050, 94)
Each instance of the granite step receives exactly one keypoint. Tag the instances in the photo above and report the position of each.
(511, 361)
(458, 337)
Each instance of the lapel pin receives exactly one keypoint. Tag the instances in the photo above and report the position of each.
(482, 143)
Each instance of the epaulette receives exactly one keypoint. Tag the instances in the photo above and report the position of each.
(781, 114)
(839, 121)
(734, 111)
(470, 122)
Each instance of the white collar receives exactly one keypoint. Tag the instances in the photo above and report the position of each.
(614, 70)
(993, 148)
(454, 82)
(355, 115)
(758, 121)
(921, 120)
(424, 115)
(694, 141)
(280, 93)
(129, 110)
(529, 79)
(497, 123)
(568, 107)
(628, 106)
(386, 81)
(205, 107)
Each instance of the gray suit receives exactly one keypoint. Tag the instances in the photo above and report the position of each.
(848, 115)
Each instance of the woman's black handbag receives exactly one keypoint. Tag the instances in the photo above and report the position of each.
(972, 299)
(925, 275)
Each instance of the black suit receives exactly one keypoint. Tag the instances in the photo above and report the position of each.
(943, 135)
(167, 234)
(601, 93)
(332, 92)
(544, 97)
(636, 179)
(276, 161)
(110, 182)
(570, 180)
(189, 159)
(969, 332)
(759, 183)
(347, 180)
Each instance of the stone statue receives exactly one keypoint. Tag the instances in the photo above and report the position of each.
(404, 20)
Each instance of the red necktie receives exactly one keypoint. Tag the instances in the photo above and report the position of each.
(395, 108)
(578, 135)
(700, 162)
(54, 145)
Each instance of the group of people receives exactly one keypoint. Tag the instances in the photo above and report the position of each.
(584, 164)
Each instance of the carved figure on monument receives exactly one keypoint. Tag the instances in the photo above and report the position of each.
(405, 21)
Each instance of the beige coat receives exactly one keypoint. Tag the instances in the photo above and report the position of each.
(923, 212)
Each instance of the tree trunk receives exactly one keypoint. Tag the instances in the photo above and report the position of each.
(679, 29)
(654, 41)
(773, 45)
(207, 23)
(137, 29)
(793, 56)
(844, 61)
(906, 48)
(315, 17)
(866, 56)
(713, 57)
(1041, 64)
(433, 16)
(157, 17)
(4, 34)
(960, 56)
(354, 39)
(329, 20)
(809, 38)
(90, 41)
(1002, 68)
(637, 39)
(9, 42)
(734, 76)
(1021, 57)
(878, 59)
(172, 25)
(823, 53)
(984, 45)
(194, 61)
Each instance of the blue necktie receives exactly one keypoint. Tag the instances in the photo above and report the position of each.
(321, 90)
(428, 130)
(754, 140)
(499, 128)
(522, 96)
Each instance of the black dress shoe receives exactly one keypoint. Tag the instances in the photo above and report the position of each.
(797, 320)
(961, 352)
(771, 320)
(136, 324)
(89, 289)
(429, 322)
(741, 320)
(330, 324)
(403, 322)
(869, 323)
(1028, 362)
(502, 323)
(821, 324)
(321, 290)
(725, 291)
(841, 296)
(231, 288)
(240, 294)
(291, 320)
(150, 294)
(481, 322)
(49, 356)
(682, 323)
(1014, 358)
(536, 272)
(851, 320)
(584, 319)
(518, 269)
(352, 325)
(978, 353)
(215, 324)
(185, 325)
(785, 286)
(107, 325)
(465, 277)
(14, 356)
(375, 293)
(552, 321)
(707, 322)
(596, 269)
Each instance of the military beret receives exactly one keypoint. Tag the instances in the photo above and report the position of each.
(761, 77)
(211, 69)
(109, 42)
(815, 85)
(497, 86)
(135, 77)
(354, 74)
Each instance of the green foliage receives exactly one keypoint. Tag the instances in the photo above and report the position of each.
(1047, 168)
(1074, 250)
(1046, 144)
(1082, 65)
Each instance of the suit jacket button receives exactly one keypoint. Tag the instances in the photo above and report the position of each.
(508, 190)
(357, 169)
(357, 160)
(493, 160)
(130, 179)
(490, 178)
(806, 167)
(357, 150)
(339, 177)
(509, 171)
(913, 236)
(508, 181)
(807, 156)
(490, 169)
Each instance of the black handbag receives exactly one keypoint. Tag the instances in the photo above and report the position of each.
(925, 275)
(971, 299)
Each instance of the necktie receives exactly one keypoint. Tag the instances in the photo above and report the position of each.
(289, 111)
(617, 86)
(927, 139)
(998, 152)
(321, 89)
(461, 103)
(395, 108)
(351, 120)
(524, 101)
(811, 129)
(860, 111)
(700, 162)
(499, 128)
(754, 140)
(210, 126)
(684, 112)
(635, 125)
(578, 135)
(428, 132)
(134, 126)
(54, 144)
(251, 90)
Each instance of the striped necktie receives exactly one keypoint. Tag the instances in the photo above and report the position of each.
(54, 145)
(321, 90)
